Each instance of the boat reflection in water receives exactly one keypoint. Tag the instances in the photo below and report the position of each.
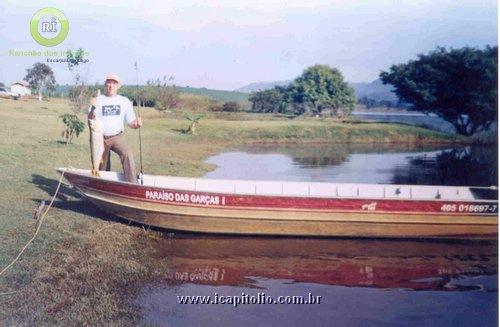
(414, 265)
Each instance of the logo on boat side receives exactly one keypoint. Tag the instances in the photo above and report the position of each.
(369, 206)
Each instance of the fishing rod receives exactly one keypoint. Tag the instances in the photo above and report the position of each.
(141, 173)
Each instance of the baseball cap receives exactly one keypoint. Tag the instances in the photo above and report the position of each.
(114, 77)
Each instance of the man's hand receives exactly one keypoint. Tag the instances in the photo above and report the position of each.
(91, 114)
(136, 123)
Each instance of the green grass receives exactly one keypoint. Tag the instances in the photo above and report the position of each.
(278, 130)
(218, 95)
(84, 266)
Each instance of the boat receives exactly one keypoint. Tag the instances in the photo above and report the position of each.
(294, 208)
(388, 264)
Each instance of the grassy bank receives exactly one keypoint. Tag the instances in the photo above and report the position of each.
(84, 265)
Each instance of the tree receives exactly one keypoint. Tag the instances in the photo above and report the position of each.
(72, 126)
(459, 85)
(321, 88)
(231, 106)
(143, 96)
(80, 93)
(166, 97)
(40, 77)
(368, 102)
(74, 58)
(269, 101)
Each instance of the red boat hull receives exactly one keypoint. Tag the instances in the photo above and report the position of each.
(290, 215)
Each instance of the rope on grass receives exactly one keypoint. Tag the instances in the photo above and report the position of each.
(37, 228)
(9, 293)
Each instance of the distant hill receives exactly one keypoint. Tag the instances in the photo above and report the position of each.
(259, 86)
(375, 90)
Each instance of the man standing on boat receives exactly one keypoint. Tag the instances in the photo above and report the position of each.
(113, 110)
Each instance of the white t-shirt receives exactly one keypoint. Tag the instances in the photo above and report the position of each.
(113, 112)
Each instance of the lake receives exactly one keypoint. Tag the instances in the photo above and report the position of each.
(328, 281)
(373, 163)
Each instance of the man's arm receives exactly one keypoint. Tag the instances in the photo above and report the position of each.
(132, 121)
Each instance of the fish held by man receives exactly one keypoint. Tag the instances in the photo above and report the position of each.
(96, 144)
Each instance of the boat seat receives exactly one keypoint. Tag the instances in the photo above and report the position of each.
(371, 191)
(348, 190)
(295, 189)
(112, 175)
(454, 193)
(322, 190)
(211, 185)
(268, 188)
(148, 180)
(244, 187)
(398, 192)
(182, 183)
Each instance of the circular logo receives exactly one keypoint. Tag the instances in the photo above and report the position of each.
(49, 27)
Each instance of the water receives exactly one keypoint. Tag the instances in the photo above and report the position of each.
(359, 282)
(353, 282)
(379, 164)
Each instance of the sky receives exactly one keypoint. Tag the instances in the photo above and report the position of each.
(229, 44)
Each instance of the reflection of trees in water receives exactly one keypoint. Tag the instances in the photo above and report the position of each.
(320, 157)
(462, 166)
(472, 165)
(308, 156)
